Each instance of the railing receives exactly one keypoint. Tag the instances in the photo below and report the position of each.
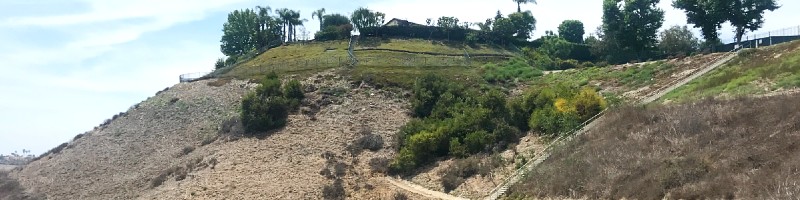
(520, 173)
(761, 39)
(192, 76)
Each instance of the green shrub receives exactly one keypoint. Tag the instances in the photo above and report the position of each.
(427, 91)
(334, 33)
(294, 93)
(261, 114)
(511, 71)
(588, 103)
(220, 63)
(293, 90)
(477, 141)
(267, 108)
(457, 149)
(568, 64)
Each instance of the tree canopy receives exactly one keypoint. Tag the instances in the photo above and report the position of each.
(631, 27)
(709, 15)
(239, 32)
(363, 17)
(572, 31)
(678, 41)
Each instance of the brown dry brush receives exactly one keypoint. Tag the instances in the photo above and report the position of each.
(11, 189)
(743, 148)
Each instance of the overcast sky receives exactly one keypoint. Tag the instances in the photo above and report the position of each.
(67, 65)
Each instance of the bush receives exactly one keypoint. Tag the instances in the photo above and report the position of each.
(373, 142)
(219, 64)
(264, 113)
(459, 171)
(294, 92)
(567, 64)
(334, 191)
(400, 196)
(379, 164)
(427, 91)
(267, 108)
(334, 33)
(477, 141)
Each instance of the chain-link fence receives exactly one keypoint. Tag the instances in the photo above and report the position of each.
(762, 39)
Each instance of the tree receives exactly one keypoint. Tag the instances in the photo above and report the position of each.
(294, 21)
(706, 15)
(239, 32)
(523, 23)
(678, 41)
(284, 16)
(447, 22)
(319, 14)
(520, 2)
(631, 26)
(334, 20)
(748, 15)
(363, 17)
(572, 31)
(709, 15)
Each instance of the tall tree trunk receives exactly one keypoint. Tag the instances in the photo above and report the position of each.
(519, 8)
(739, 34)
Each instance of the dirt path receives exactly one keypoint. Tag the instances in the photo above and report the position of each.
(411, 187)
(519, 174)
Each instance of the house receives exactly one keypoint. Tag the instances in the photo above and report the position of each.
(400, 22)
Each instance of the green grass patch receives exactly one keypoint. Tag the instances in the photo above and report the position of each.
(751, 73)
(433, 46)
(513, 71)
(293, 59)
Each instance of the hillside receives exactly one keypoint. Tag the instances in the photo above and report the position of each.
(740, 144)
(186, 142)
(743, 148)
(764, 71)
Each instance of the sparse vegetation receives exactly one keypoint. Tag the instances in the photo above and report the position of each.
(752, 72)
(731, 149)
(11, 189)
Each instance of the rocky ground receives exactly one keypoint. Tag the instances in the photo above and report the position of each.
(183, 144)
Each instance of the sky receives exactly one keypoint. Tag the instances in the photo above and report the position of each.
(67, 65)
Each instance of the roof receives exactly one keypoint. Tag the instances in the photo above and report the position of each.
(401, 22)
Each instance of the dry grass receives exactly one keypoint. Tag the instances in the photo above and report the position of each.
(743, 148)
(11, 189)
(420, 45)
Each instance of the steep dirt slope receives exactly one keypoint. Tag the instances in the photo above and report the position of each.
(119, 160)
(289, 163)
(176, 145)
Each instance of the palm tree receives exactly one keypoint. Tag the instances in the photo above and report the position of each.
(319, 13)
(520, 2)
(295, 21)
(283, 18)
(262, 36)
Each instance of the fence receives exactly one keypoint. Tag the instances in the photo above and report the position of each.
(413, 61)
(192, 76)
(762, 39)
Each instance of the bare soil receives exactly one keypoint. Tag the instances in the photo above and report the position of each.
(167, 147)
